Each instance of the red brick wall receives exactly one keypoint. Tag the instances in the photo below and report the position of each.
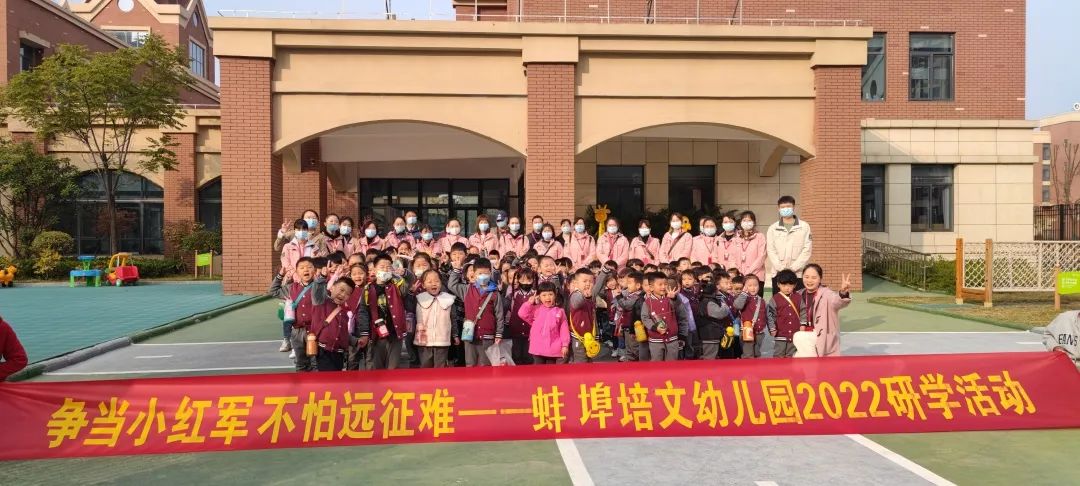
(549, 168)
(342, 203)
(989, 71)
(829, 184)
(306, 190)
(250, 177)
(34, 19)
(180, 200)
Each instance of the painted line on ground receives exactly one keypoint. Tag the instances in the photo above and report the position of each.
(901, 461)
(160, 356)
(207, 344)
(579, 475)
(183, 370)
(765, 483)
(883, 344)
(1029, 342)
(936, 332)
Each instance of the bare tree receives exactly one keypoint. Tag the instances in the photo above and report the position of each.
(1062, 176)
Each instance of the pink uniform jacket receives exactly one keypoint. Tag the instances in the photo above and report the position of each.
(726, 250)
(706, 249)
(613, 247)
(825, 310)
(519, 244)
(291, 253)
(551, 248)
(392, 240)
(646, 251)
(427, 247)
(548, 332)
(675, 246)
(581, 248)
(749, 255)
(363, 244)
(486, 242)
(447, 241)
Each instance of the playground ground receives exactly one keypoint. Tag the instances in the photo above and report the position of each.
(245, 341)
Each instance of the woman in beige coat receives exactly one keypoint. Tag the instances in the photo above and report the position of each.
(823, 308)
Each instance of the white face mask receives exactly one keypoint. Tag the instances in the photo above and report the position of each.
(644, 232)
(729, 226)
(709, 231)
(747, 225)
(453, 230)
(612, 229)
(676, 225)
(566, 230)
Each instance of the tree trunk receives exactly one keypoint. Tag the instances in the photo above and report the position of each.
(110, 208)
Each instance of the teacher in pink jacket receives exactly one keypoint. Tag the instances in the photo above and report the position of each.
(823, 306)
(613, 245)
(749, 255)
(676, 243)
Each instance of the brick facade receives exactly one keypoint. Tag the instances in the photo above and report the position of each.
(307, 189)
(549, 168)
(180, 191)
(251, 178)
(829, 183)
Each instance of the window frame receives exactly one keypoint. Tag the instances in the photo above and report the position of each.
(930, 58)
(949, 215)
(199, 60)
(127, 36)
(150, 198)
(707, 203)
(606, 184)
(202, 198)
(883, 54)
(879, 203)
(38, 58)
(1047, 194)
(385, 211)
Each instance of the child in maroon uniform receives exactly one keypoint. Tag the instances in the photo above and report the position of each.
(387, 326)
(665, 320)
(786, 314)
(581, 310)
(330, 316)
(297, 297)
(520, 292)
(483, 308)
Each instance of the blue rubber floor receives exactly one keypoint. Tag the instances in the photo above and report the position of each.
(51, 321)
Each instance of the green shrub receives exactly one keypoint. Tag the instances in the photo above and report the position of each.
(941, 277)
(46, 261)
(55, 241)
(201, 241)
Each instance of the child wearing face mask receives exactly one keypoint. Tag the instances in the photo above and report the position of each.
(484, 309)
(385, 300)
(644, 247)
(581, 246)
(398, 234)
(485, 240)
(513, 240)
(301, 245)
(370, 240)
(435, 328)
(451, 236)
(548, 246)
(676, 243)
(613, 246)
(521, 291)
(425, 243)
(706, 247)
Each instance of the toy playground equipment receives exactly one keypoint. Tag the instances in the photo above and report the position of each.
(85, 272)
(7, 276)
(121, 271)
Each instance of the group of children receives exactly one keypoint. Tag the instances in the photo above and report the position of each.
(365, 301)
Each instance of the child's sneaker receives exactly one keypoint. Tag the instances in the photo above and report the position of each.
(292, 355)
(286, 346)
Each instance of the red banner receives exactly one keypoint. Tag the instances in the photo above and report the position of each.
(865, 394)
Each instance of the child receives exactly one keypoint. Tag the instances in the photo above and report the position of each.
(730, 347)
(385, 302)
(686, 350)
(664, 319)
(644, 247)
(297, 297)
(581, 246)
(677, 243)
(581, 311)
(690, 293)
(514, 240)
(752, 313)
(635, 265)
(330, 319)
(483, 307)
(314, 237)
(301, 245)
(358, 274)
(484, 239)
(434, 323)
(548, 246)
(613, 245)
(520, 291)
(785, 314)
(549, 334)
(682, 265)
(627, 312)
(714, 318)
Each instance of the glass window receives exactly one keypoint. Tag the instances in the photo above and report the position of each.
(873, 198)
(931, 67)
(1046, 151)
(1046, 176)
(133, 38)
(30, 56)
(691, 188)
(1046, 194)
(210, 205)
(434, 200)
(139, 216)
(622, 189)
(873, 73)
(197, 56)
(931, 197)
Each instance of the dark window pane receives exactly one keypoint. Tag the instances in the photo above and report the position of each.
(622, 190)
(931, 198)
(151, 190)
(467, 217)
(436, 192)
(436, 218)
(1046, 151)
(129, 186)
(374, 192)
(873, 198)
(153, 221)
(466, 192)
(691, 187)
(1045, 194)
(931, 66)
(210, 205)
(405, 192)
(496, 193)
(873, 73)
(92, 187)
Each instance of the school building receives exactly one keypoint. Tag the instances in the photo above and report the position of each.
(896, 121)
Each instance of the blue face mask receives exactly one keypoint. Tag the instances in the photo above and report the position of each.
(580, 228)
(312, 223)
(301, 235)
(370, 233)
(410, 220)
(331, 227)
(787, 212)
(484, 226)
(514, 227)
(538, 226)
(399, 229)
(483, 279)
(426, 236)
(345, 230)
(501, 224)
